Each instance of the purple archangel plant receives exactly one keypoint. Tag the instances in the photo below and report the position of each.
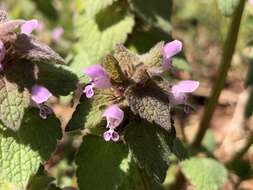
(127, 80)
(21, 55)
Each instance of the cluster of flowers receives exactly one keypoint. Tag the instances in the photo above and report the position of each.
(39, 93)
(113, 114)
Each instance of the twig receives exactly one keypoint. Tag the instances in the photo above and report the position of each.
(229, 48)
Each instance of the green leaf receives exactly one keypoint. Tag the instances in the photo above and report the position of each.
(151, 146)
(179, 149)
(228, 7)
(137, 179)
(7, 186)
(14, 93)
(88, 113)
(181, 64)
(92, 7)
(98, 36)
(113, 69)
(155, 55)
(127, 60)
(40, 182)
(101, 164)
(205, 173)
(156, 13)
(209, 141)
(51, 75)
(47, 8)
(13, 104)
(53, 187)
(22, 152)
(150, 103)
(143, 38)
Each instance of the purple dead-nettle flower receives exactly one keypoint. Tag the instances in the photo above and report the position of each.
(57, 33)
(169, 50)
(179, 91)
(114, 116)
(111, 135)
(99, 79)
(45, 111)
(40, 95)
(29, 26)
(2, 55)
(40, 26)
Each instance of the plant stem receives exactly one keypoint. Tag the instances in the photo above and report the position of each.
(228, 51)
(242, 152)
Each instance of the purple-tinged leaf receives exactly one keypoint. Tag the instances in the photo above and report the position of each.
(33, 50)
(150, 103)
(10, 26)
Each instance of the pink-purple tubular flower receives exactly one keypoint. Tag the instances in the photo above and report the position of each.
(169, 50)
(99, 79)
(178, 91)
(2, 55)
(111, 135)
(114, 116)
(40, 26)
(29, 26)
(57, 33)
(40, 95)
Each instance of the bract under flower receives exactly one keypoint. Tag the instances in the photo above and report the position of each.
(29, 26)
(40, 94)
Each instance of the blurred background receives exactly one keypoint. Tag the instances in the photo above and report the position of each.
(83, 31)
